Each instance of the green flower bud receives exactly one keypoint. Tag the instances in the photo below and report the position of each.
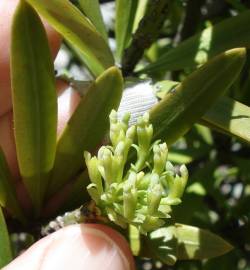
(154, 198)
(94, 174)
(124, 122)
(93, 192)
(160, 157)
(105, 160)
(179, 183)
(129, 200)
(142, 193)
(144, 137)
(151, 224)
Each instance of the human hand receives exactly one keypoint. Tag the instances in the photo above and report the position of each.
(85, 246)
(74, 247)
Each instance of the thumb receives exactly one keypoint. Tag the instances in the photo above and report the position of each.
(91, 246)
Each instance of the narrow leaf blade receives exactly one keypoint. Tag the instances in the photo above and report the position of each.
(91, 9)
(205, 45)
(5, 247)
(183, 242)
(8, 197)
(86, 127)
(34, 101)
(197, 244)
(125, 14)
(189, 101)
(229, 116)
(226, 115)
(77, 30)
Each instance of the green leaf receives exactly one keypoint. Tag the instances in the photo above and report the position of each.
(5, 247)
(87, 126)
(8, 197)
(77, 30)
(184, 156)
(78, 194)
(140, 12)
(34, 101)
(125, 15)
(91, 9)
(196, 243)
(203, 46)
(229, 116)
(189, 101)
(226, 115)
(183, 242)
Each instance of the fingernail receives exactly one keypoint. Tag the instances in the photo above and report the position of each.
(88, 247)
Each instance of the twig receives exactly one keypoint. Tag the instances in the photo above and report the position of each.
(191, 19)
(148, 31)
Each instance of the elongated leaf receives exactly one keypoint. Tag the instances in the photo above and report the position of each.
(76, 29)
(5, 248)
(125, 14)
(8, 197)
(86, 127)
(140, 11)
(183, 242)
(91, 9)
(189, 101)
(196, 243)
(201, 47)
(229, 116)
(34, 101)
(78, 194)
(226, 115)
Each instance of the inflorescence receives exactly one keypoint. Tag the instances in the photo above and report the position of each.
(140, 193)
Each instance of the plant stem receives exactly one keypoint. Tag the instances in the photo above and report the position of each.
(147, 32)
(191, 19)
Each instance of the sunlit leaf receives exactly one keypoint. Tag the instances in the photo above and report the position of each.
(183, 242)
(189, 101)
(229, 116)
(140, 11)
(196, 243)
(77, 30)
(91, 9)
(86, 127)
(203, 46)
(5, 247)
(125, 14)
(226, 115)
(34, 101)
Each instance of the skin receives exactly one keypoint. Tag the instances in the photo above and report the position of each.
(85, 246)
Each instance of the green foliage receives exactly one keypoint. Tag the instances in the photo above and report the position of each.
(86, 127)
(180, 108)
(183, 242)
(91, 9)
(125, 14)
(77, 30)
(226, 115)
(203, 117)
(205, 45)
(8, 197)
(5, 247)
(34, 101)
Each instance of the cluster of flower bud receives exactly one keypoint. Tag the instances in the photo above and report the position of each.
(140, 193)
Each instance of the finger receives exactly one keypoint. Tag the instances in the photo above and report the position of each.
(78, 247)
(7, 8)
